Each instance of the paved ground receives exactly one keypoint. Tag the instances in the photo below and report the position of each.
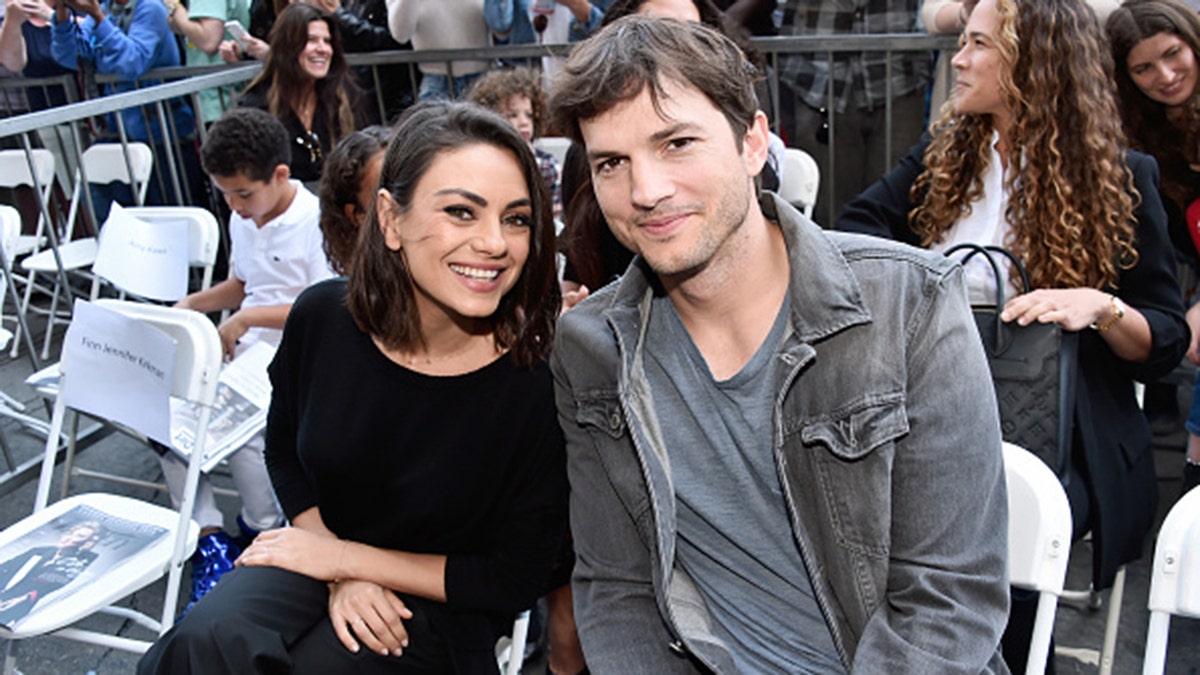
(1078, 632)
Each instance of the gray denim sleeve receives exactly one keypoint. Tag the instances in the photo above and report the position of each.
(947, 586)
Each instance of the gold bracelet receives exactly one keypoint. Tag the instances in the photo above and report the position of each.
(1118, 313)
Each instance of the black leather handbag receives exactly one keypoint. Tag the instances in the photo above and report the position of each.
(1033, 369)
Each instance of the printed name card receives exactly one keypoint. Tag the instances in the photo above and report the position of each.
(104, 348)
(147, 259)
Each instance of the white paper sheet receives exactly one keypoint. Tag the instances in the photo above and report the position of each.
(120, 369)
(146, 259)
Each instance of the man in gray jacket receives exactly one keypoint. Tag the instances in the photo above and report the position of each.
(783, 446)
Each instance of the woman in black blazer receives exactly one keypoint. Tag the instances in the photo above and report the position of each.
(1029, 154)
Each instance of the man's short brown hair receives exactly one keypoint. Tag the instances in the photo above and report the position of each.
(642, 52)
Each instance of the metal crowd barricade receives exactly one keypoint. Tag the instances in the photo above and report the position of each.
(64, 128)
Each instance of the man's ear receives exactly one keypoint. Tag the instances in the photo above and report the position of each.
(755, 144)
(282, 173)
(388, 213)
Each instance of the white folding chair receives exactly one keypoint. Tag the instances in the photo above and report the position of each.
(10, 228)
(203, 242)
(801, 180)
(102, 163)
(554, 145)
(510, 650)
(204, 237)
(1175, 577)
(1039, 542)
(196, 364)
(15, 172)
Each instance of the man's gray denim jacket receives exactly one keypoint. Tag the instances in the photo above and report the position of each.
(888, 449)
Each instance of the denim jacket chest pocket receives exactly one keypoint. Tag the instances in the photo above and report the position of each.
(601, 416)
(843, 466)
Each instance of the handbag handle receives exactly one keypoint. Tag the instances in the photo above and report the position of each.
(989, 252)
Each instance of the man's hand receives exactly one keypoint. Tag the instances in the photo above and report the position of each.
(88, 7)
(370, 613)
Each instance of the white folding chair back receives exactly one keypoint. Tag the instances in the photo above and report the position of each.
(105, 163)
(102, 163)
(197, 364)
(554, 145)
(204, 233)
(1039, 542)
(14, 172)
(1175, 577)
(801, 180)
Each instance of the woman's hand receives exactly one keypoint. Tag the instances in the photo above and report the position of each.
(297, 550)
(371, 613)
(1072, 308)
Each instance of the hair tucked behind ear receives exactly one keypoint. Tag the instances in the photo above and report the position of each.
(1071, 197)
(380, 293)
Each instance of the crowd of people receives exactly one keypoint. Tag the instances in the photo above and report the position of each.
(754, 421)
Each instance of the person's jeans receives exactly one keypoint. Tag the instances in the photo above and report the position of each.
(437, 87)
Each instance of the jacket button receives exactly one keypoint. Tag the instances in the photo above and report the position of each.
(614, 421)
(677, 649)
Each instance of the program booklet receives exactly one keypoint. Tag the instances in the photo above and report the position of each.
(240, 411)
(58, 558)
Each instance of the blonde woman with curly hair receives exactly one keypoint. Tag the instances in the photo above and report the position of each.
(1029, 154)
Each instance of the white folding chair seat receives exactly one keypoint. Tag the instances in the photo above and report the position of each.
(1174, 578)
(1039, 542)
(196, 365)
(801, 180)
(139, 570)
(102, 163)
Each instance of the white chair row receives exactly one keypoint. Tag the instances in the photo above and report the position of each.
(102, 163)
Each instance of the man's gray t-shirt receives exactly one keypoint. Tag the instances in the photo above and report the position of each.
(733, 528)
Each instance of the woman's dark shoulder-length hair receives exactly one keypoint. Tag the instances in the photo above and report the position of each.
(289, 37)
(380, 293)
(1146, 120)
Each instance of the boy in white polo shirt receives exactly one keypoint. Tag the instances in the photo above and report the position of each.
(276, 252)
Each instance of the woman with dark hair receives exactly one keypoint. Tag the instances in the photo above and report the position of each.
(1154, 45)
(307, 85)
(347, 192)
(1029, 155)
(412, 437)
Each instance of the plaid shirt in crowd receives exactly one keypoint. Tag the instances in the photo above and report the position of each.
(858, 78)
(550, 174)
